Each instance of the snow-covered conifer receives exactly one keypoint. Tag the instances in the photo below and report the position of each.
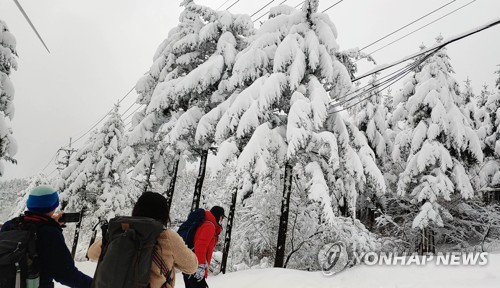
(483, 96)
(371, 121)
(22, 196)
(91, 180)
(8, 54)
(280, 104)
(468, 104)
(440, 143)
(370, 118)
(489, 134)
(188, 79)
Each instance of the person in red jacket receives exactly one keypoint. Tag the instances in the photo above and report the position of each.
(205, 239)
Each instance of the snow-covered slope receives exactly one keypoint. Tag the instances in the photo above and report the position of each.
(428, 276)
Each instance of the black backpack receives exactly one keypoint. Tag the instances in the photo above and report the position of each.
(127, 253)
(188, 229)
(18, 256)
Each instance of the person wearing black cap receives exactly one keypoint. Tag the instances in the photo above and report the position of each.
(205, 240)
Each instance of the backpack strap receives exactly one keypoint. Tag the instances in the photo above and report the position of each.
(158, 260)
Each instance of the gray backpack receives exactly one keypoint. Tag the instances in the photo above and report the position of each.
(128, 250)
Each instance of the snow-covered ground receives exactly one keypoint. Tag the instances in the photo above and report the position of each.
(428, 276)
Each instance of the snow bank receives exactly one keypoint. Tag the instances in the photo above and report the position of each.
(359, 277)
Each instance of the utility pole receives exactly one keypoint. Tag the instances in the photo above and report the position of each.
(63, 161)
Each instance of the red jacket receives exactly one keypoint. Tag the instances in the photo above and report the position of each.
(205, 239)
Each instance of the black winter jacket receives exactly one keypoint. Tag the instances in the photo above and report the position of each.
(55, 259)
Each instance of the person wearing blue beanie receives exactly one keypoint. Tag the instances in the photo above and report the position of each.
(42, 199)
(54, 259)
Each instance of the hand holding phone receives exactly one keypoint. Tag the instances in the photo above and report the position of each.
(69, 217)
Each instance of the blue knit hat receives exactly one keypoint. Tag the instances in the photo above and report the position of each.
(42, 199)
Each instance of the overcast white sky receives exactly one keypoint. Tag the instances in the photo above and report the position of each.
(101, 47)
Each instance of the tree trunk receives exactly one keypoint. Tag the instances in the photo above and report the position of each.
(427, 242)
(285, 208)
(171, 186)
(344, 210)
(77, 234)
(148, 176)
(229, 227)
(199, 180)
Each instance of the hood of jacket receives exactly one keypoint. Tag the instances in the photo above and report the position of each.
(211, 218)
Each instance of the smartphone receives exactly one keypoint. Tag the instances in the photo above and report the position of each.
(70, 217)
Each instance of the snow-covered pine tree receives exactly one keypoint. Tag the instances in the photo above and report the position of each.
(192, 66)
(441, 144)
(399, 117)
(370, 119)
(92, 180)
(95, 181)
(483, 96)
(387, 102)
(8, 54)
(22, 196)
(9, 195)
(173, 59)
(468, 104)
(280, 108)
(73, 179)
(489, 134)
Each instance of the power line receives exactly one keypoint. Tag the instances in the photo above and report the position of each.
(391, 81)
(331, 6)
(129, 107)
(55, 155)
(412, 22)
(103, 117)
(52, 172)
(414, 31)
(363, 89)
(367, 97)
(50, 161)
(390, 76)
(296, 6)
(403, 72)
(222, 4)
(393, 76)
(31, 24)
(435, 47)
(232, 5)
(133, 112)
(262, 8)
(267, 12)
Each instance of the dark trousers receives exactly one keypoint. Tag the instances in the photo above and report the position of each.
(191, 282)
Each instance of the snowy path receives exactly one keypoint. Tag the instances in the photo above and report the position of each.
(359, 277)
